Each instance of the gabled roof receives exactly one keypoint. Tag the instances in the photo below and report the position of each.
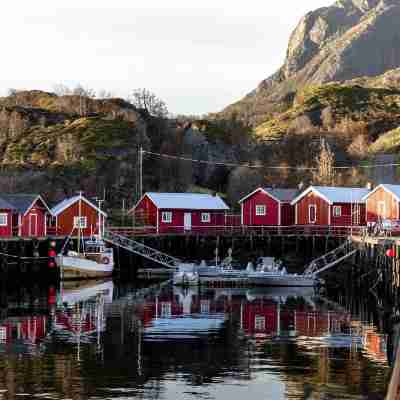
(4, 205)
(280, 195)
(336, 194)
(393, 189)
(60, 207)
(186, 201)
(23, 202)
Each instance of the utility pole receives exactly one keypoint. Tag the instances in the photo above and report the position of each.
(140, 173)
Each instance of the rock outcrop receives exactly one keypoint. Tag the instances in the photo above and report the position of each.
(348, 40)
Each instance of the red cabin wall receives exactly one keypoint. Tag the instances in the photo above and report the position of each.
(287, 214)
(65, 220)
(146, 212)
(346, 218)
(391, 205)
(322, 212)
(7, 231)
(40, 210)
(217, 219)
(249, 210)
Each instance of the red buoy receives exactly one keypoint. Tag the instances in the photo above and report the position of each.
(52, 253)
(390, 253)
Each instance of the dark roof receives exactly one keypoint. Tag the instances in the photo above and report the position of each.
(284, 195)
(20, 202)
(4, 205)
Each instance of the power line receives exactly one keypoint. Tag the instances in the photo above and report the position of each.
(259, 166)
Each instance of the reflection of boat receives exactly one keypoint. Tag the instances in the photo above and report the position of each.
(71, 293)
(186, 275)
(271, 273)
(92, 258)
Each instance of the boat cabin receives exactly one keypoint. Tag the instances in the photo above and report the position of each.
(331, 206)
(268, 207)
(77, 213)
(180, 212)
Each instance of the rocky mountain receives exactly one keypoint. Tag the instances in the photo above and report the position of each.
(348, 40)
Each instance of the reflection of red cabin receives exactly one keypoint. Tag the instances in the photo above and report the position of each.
(6, 218)
(267, 206)
(333, 206)
(30, 214)
(180, 212)
(29, 329)
(77, 212)
(259, 317)
(383, 203)
(315, 324)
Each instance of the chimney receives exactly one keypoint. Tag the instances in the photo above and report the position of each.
(369, 185)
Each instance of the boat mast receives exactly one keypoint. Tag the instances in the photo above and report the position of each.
(79, 221)
(99, 202)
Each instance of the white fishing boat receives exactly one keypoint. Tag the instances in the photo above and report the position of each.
(91, 260)
(186, 275)
(272, 273)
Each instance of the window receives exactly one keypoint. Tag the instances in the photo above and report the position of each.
(205, 306)
(166, 310)
(259, 323)
(261, 210)
(381, 209)
(337, 211)
(166, 217)
(3, 219)
(80, 222)
(205, 217)
(312, 213)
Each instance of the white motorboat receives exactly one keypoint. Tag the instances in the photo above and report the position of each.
(186, 275)
(271, 273)
(97, 261)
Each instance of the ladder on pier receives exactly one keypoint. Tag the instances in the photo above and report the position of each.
(331, 259)
(140, 249)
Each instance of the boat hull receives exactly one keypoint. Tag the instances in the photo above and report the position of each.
(80, 268)
(282, 280)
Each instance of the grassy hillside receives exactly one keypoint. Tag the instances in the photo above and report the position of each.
(387, 143)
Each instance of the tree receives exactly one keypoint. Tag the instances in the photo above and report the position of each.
(148, 101)
(325, 173)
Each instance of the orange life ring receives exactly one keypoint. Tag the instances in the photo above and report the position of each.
(105, 260)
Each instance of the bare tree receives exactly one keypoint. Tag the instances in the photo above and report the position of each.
(325, 173)
(84, 95)
(61, 90)
(147, 100)
(242, 181)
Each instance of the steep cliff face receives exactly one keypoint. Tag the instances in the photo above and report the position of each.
(350, 39)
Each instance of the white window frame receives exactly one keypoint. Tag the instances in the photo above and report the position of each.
(4, 222)
(205, 217)
(166, 217)
(314, 206)
(166, 309)
(80, 222)
(205, 306)
(337, 211)
(381, 203)
(261, 210)
(259, 322)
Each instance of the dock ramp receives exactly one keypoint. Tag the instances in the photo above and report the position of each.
(140, 249)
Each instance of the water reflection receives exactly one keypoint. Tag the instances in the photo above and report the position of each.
(101, 340)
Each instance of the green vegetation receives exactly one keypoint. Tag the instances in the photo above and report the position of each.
(387, 143)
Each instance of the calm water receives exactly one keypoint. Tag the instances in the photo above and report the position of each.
(103, 341)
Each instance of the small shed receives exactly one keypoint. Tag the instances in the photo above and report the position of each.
(77, 213)
(268, 207)
(30, 214)
(180, 212)
(383, 203)
(331, 206)
(6, 218)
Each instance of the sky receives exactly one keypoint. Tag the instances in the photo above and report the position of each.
(198, 56)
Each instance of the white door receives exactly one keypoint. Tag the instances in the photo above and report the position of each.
(188, 221)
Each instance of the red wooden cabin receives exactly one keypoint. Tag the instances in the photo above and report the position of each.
(383, 203)
(267, 206)
(77, 212)
(30, 214)
(330, 206)
(6, 218)
(180, 212)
